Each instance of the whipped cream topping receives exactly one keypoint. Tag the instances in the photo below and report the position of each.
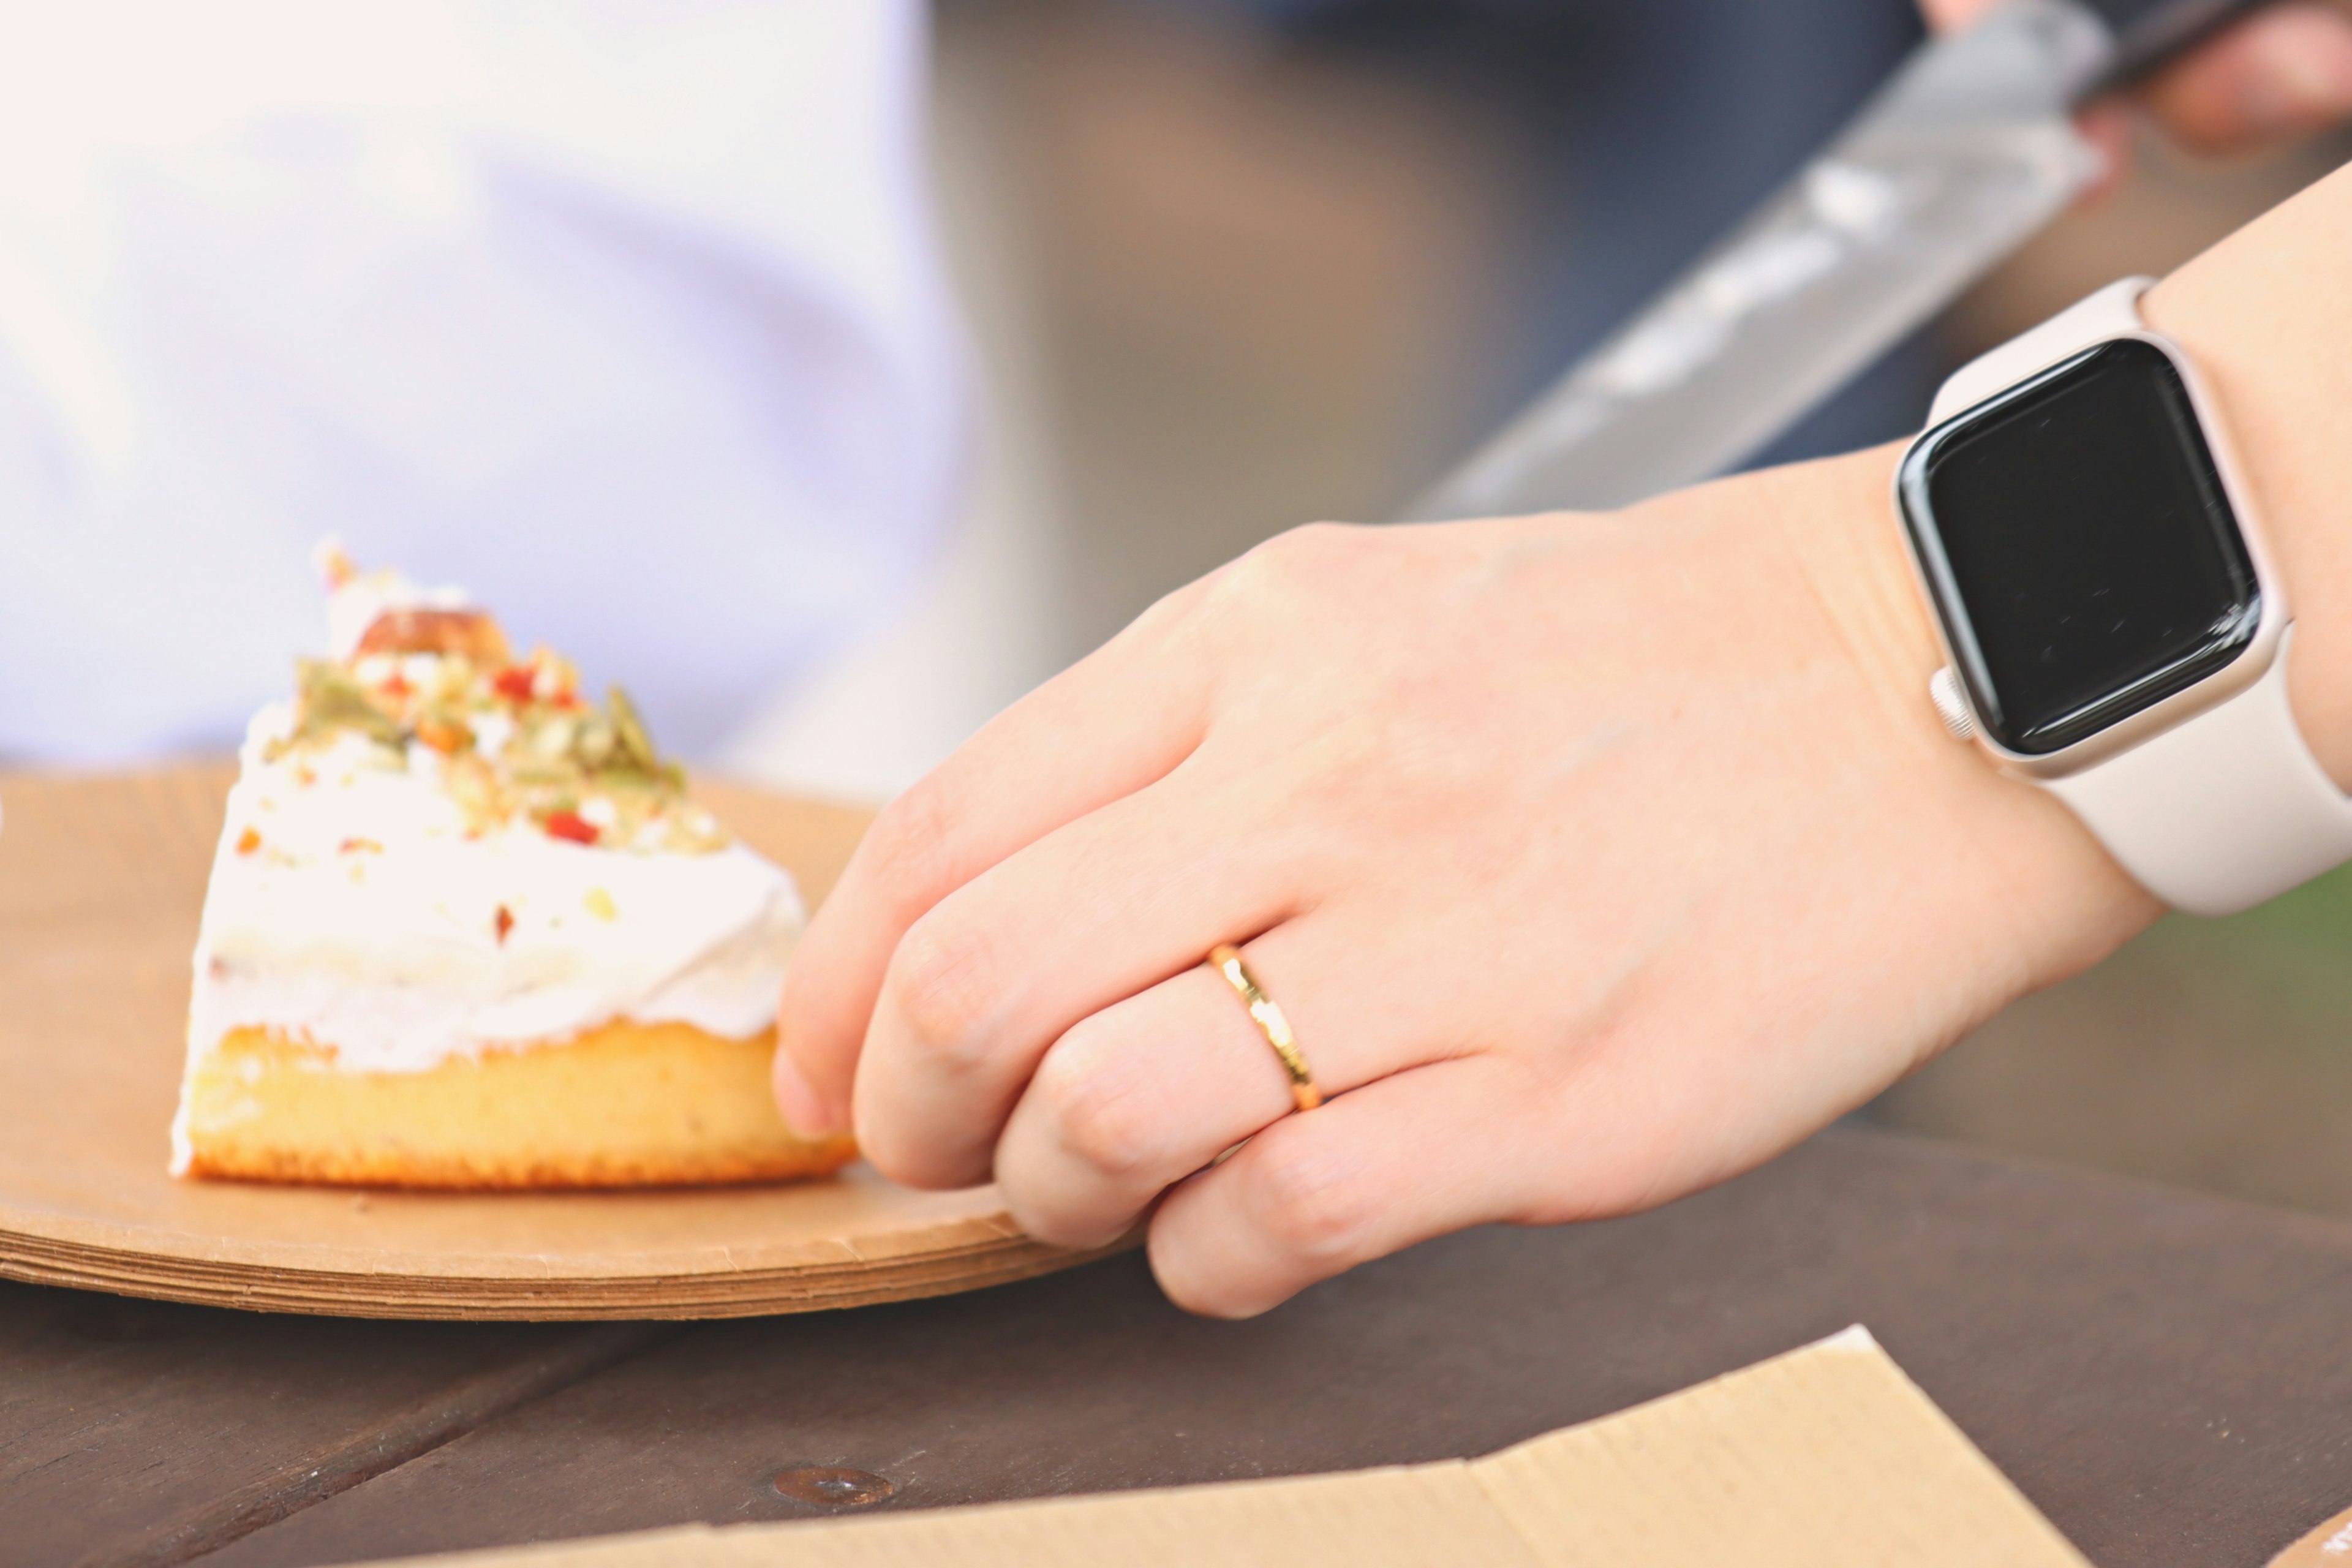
(352, 905)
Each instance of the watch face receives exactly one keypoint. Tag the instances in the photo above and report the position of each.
(2080, 546)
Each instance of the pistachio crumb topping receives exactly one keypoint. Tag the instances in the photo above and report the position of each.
(511, 739)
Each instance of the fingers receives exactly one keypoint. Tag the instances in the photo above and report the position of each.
(1106, 727)
(2284, 72)
(1086, 916)
(1144, 1094)
(1400, 1161)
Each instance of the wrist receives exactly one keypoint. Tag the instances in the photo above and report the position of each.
(2031, 894)
(2270, 339)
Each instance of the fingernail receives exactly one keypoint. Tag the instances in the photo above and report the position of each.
(803, 1109)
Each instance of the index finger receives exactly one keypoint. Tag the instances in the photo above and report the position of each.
(1115, 722)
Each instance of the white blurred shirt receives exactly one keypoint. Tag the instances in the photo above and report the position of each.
(623, 314)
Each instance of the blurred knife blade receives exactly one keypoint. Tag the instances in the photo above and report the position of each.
(1960, 158)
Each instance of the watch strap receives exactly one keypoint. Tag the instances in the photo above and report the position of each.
(2222, 811)
(2228, 807)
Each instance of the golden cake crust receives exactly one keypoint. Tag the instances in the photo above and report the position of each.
(624, 1105)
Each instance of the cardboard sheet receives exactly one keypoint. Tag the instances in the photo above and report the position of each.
(1825, 1457)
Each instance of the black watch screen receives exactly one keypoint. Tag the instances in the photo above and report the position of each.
(2081, 549)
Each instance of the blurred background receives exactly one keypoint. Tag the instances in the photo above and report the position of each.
(1230, 267)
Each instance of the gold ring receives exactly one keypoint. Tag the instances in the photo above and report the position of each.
(1226, 960)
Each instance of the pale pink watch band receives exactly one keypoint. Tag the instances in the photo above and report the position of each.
(2228, 807)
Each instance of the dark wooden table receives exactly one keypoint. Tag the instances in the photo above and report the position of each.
(2168, 1377)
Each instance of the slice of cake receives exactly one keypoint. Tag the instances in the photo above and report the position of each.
(466, 929)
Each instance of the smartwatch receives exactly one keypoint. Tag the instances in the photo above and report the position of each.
(2113, 627)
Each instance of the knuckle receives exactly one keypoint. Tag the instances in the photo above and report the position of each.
(946, 988)
(1202, 1291)
(1276, 574)
(1058, 1225)
(1306, 1205)
(1097, 1115)
(912, 848)
(909, 1163)
(917, 1161)
(1307, 546)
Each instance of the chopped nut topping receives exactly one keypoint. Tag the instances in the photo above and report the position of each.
(629, 732)
(328, 697)
(569, 824)
(600, 904)
(516, 742)
(471, 633)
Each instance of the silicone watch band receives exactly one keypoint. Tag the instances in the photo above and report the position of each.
(2228, 807)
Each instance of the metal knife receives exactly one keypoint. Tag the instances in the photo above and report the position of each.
(1965, 154)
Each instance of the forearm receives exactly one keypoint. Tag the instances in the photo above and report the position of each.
(2064, 903)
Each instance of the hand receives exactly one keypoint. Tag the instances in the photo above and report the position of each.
(2284, 72)
(1593, 858)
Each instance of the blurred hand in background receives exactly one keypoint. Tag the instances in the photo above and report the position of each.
(2281, 73)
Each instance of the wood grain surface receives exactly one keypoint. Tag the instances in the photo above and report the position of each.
(2163, 1375)
(145, 1433)
(101, 882)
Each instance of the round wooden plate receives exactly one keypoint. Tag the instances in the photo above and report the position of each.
(102, 881)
